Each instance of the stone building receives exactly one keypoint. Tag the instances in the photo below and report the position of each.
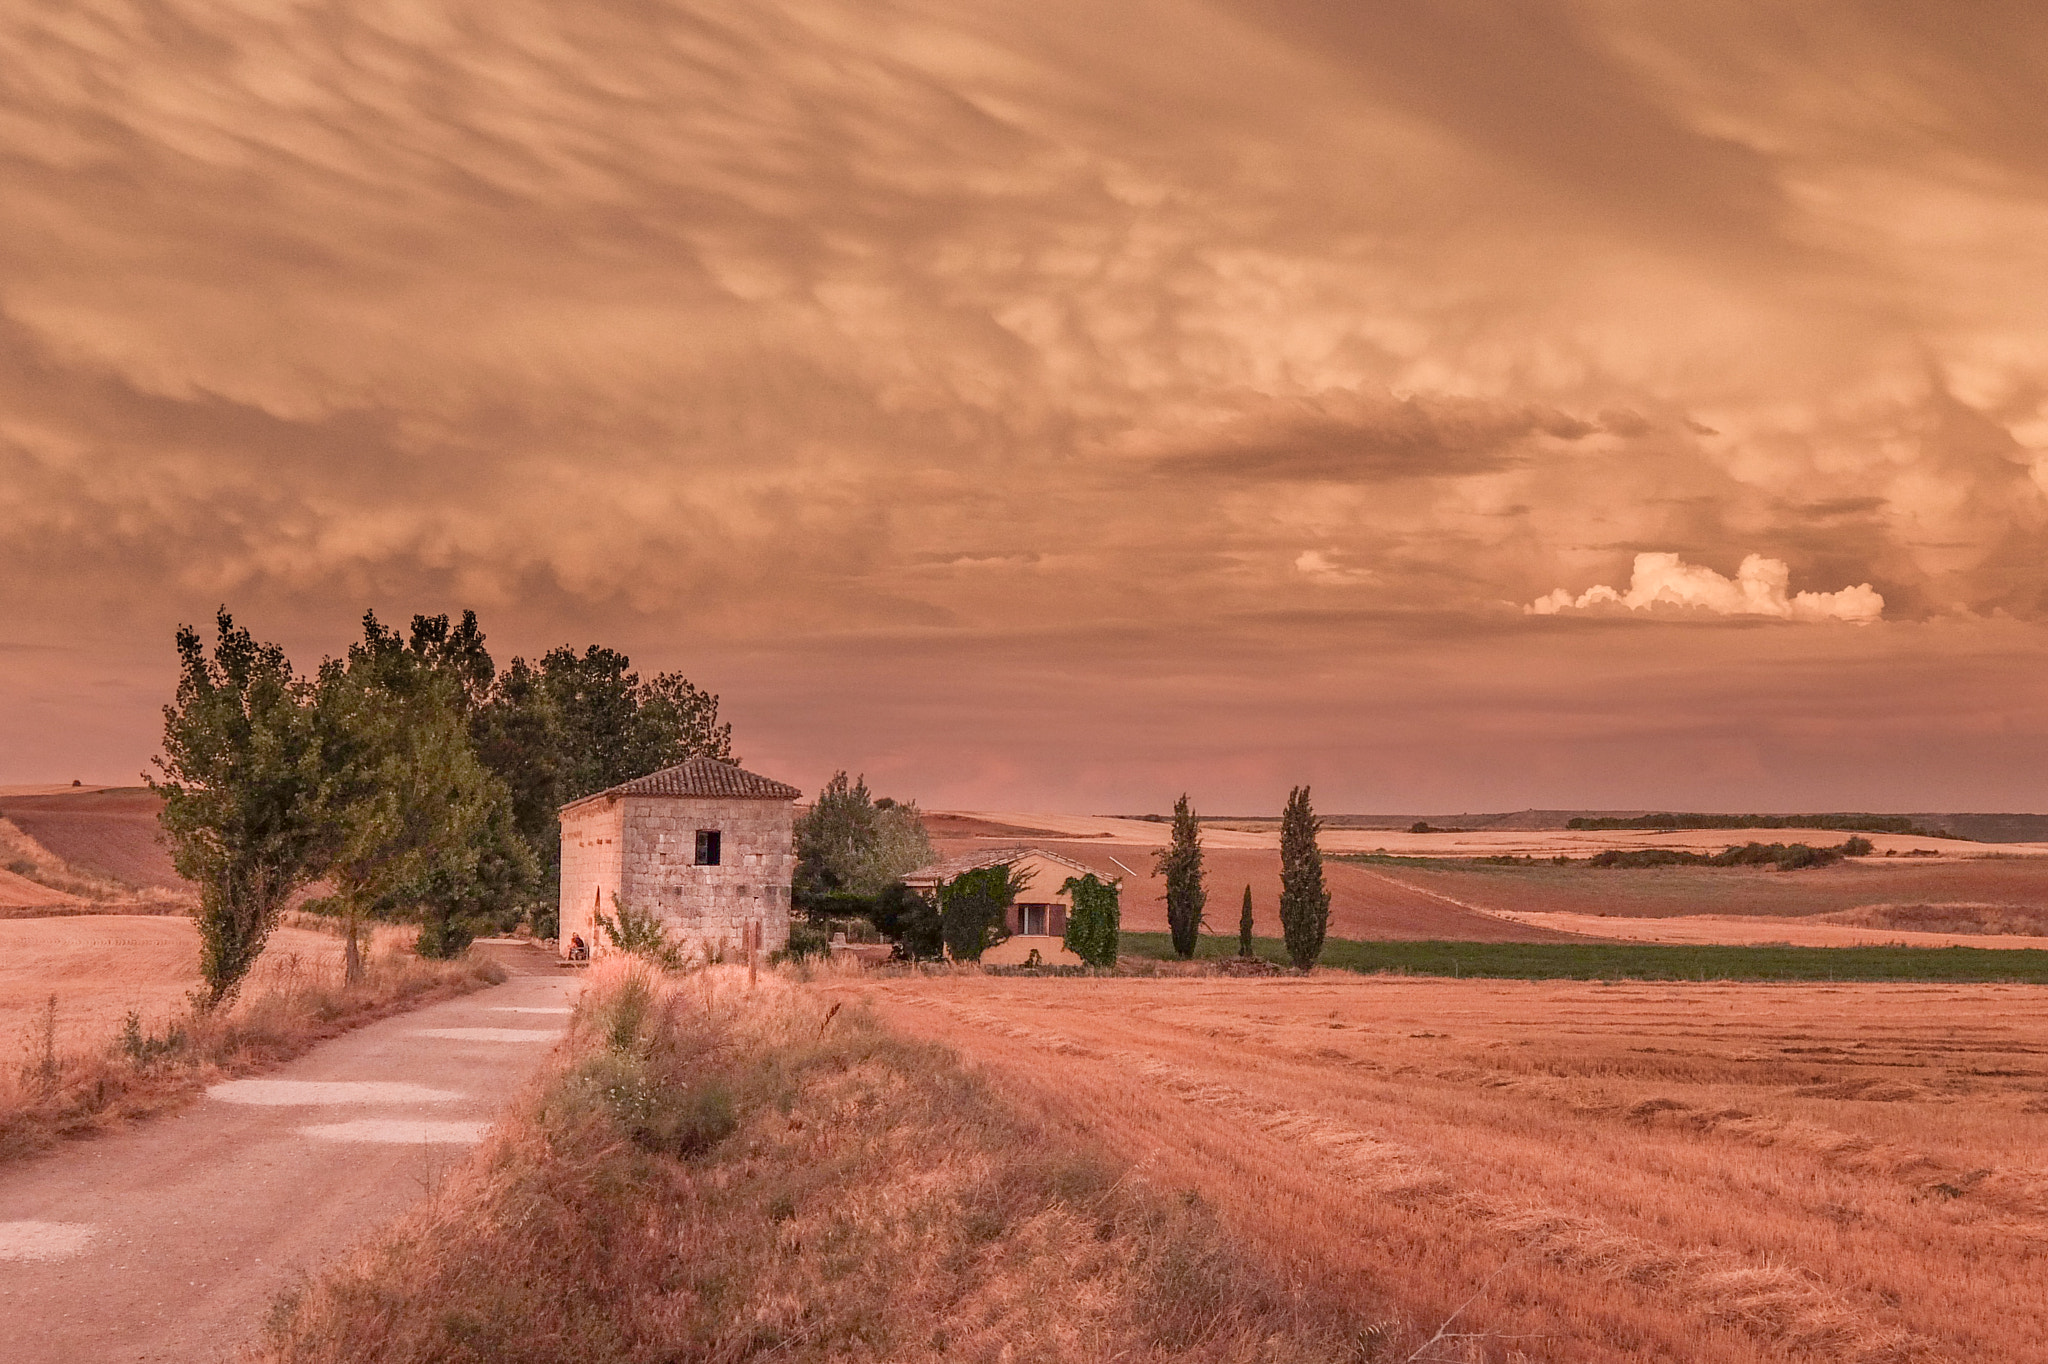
(707, 845)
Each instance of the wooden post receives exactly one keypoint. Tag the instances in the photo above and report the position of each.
(753, 940)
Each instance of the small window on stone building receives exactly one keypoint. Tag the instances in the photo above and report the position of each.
(707, 847)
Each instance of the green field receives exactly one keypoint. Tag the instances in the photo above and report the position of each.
(1641, 961)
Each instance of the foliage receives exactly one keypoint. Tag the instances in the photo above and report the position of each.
(243, 783)
(1869, 824)
(640, 933)
(972, 907)
(573, 724)
(1093, 924)
(1778, 856)
(909, 919)
(1244, 926)
(1304, 899)
(850, 843)
(411, 806)
(1181, 864)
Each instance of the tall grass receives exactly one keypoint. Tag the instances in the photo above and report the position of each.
(724, 1174)
(53, 1092)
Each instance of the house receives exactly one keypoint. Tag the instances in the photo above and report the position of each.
(1038, 921)
(708, 846)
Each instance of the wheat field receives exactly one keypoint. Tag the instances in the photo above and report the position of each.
(1626, 1172)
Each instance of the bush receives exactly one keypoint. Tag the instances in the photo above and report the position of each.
(1093, 927)
(640, 933)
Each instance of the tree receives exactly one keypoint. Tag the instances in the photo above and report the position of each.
(972, 907)
(573, 724)
(1304, 899)
(1244, 926)
(1181, 864)
(413, 810)
(851, 844)
(1092, 925)
(243, 777)
(908, 919)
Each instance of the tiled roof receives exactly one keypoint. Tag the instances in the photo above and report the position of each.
(940, 872)
(705, 777)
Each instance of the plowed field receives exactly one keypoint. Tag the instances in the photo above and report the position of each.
(1718, 1174)
(111, 833)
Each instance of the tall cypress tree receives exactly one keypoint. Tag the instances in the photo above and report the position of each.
(1244, 926)
(1181, 865)
(1304, 899)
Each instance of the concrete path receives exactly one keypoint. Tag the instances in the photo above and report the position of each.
(169, 1241)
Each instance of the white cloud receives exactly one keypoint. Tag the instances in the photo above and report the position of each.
(1761, 587)
(1324, 568)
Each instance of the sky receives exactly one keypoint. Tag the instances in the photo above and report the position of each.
(1037, 404)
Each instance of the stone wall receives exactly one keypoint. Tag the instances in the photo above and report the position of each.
(708, 907)
(593, 850)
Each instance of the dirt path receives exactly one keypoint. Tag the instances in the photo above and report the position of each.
(169, 1241)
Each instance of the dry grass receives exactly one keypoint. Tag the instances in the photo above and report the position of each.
(2011, 920)
(75, 1071)
(1720, 1174)
(724, 1174)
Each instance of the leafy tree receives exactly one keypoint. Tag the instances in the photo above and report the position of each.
(573, 724)
(1304, 899)
(1092, 925)
(242, 784)
(907, 918)
(972, 907)
(850, 843)
(412, 808)
(1181, 864)
(1244, 926)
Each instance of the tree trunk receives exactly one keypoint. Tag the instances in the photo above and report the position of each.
(352, 955)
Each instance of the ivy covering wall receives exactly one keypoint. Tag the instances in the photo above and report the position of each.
(1093, 926)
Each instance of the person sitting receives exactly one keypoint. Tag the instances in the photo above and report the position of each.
(578, 951)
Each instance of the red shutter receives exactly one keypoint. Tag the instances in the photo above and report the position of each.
(1056, 921)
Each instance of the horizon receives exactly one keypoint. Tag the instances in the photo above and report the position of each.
(1035, 408)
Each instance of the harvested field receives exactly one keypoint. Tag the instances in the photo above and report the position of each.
(1459, 898)
(100, 966)
(1658, 892)
(110, 833)
(1719, 1174)
(1364, 902)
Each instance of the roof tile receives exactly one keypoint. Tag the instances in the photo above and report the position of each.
(705, 777)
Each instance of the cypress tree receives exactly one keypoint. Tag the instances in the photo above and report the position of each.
(1244, 926)
(1304, 899)
(1181, 865)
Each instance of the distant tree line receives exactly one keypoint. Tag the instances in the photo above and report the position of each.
(412, 777)
(1867, 824)
(1777, 856)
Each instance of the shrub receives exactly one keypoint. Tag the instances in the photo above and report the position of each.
(640, 933)
(1093, 928)
(972, 906)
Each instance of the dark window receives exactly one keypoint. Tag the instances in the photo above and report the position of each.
(1035, 920)
(707, 847)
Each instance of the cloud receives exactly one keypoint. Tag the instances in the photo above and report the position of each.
(1349, 437)
(1760, 587)
(1325, 567)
